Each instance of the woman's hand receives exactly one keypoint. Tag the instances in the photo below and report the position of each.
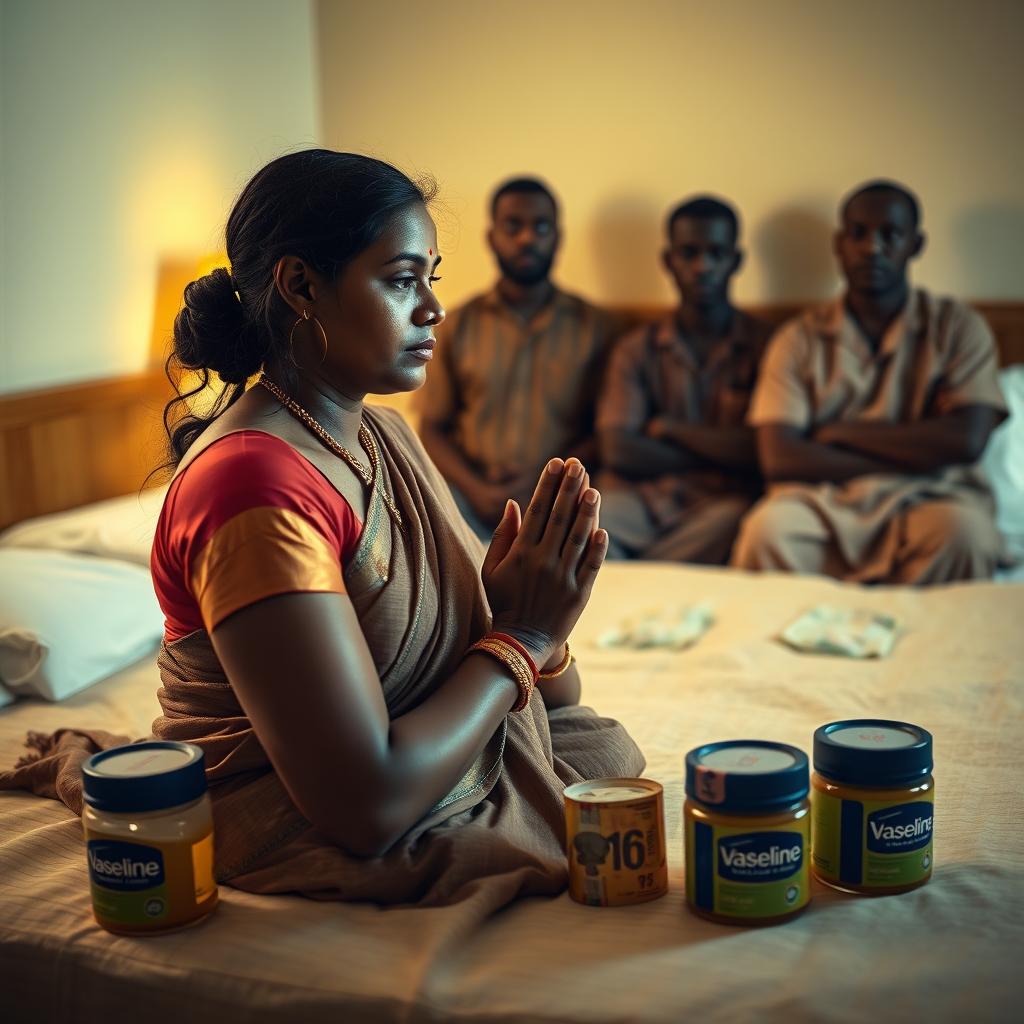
(540, 569)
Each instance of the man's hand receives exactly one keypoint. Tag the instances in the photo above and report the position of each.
(656, 428)
(511, 482)
(488, 501)
(521, 489)
(829, 433)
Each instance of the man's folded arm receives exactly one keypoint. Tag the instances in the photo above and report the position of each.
(921, 446)
(787, 454)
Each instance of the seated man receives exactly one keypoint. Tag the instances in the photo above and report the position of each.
(871, 412)
(517, 368)
(680, 465)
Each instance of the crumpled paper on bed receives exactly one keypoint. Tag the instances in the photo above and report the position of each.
(671, 628)
(850, 632)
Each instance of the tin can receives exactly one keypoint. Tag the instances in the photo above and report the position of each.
(615, 841)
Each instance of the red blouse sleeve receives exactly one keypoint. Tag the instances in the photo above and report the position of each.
(248, 519)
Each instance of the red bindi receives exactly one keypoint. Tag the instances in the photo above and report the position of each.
(430, 252)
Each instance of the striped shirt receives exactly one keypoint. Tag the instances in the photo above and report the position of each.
(516, 392)
(653, 372)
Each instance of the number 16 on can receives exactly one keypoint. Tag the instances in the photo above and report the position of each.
(615, 841)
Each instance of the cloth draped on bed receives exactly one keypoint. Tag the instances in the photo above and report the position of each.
(420, 603)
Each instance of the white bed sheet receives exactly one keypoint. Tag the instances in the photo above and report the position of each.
(949, 951)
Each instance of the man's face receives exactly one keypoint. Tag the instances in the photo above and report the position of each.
(524, 236)
(702, 257)
(877, 239)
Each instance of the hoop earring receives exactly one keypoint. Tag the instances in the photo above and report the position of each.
(291, 337)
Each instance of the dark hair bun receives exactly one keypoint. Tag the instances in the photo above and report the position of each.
(212, 332)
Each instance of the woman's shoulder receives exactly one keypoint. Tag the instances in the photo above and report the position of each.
(251, 469)
(248, 461)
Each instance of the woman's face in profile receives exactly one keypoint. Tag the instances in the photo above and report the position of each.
(381, 330)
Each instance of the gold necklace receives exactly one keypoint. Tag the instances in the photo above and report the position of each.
(368, 476)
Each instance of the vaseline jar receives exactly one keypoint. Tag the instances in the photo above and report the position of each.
(747, 832)
(149, 837)
(872, 801)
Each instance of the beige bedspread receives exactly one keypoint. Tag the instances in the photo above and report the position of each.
(949, 951)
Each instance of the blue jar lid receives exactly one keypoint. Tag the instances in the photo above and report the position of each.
(747, 775)
(147, 776)
(873, 752)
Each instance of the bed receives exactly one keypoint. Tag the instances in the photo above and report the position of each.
(948, 951)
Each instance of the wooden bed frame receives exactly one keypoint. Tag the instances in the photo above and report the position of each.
(67, 446)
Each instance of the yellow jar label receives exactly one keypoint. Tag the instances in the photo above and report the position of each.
(128, 881)
(747, 872)
(873, 843)
(147, 886)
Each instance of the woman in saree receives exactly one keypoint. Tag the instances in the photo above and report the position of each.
(359, 674)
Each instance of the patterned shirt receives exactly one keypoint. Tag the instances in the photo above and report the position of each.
(517, 392)
(653, 372)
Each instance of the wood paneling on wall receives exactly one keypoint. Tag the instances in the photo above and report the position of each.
(67, 446)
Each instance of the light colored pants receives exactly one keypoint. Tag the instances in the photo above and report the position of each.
(938, 542)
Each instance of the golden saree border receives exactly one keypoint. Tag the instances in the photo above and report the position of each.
(259, 553)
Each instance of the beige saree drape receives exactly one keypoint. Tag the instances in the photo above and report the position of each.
(420, 602)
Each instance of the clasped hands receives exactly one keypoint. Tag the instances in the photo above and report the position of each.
(540, 567)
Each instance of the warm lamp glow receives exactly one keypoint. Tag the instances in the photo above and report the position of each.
(208, 264)
(173, 275)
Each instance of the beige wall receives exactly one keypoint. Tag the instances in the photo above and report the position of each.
(127, 130)
(780, 105)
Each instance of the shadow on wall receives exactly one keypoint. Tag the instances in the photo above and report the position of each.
(793, 247)
(624, 242)
(989, 242)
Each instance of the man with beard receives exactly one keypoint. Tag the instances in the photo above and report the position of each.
(517, 368)
(871, 413)
(680, 464)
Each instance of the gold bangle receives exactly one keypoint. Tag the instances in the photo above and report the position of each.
(514, 662)
(563, 666)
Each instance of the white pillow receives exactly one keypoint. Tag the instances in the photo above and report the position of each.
(119, 528)
(68, 621)
(1003, 462)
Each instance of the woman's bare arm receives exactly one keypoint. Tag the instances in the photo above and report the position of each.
(305, 678)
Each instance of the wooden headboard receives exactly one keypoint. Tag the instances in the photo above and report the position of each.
(67, 446)
(1005, 318)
